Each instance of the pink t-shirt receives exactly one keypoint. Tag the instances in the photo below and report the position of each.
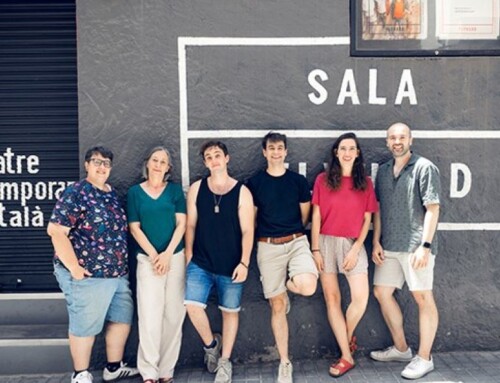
(343, 210)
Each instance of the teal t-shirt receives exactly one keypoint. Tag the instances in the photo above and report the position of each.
(157, 216)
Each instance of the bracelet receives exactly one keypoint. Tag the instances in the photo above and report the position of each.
(241, 263)
(314, 250)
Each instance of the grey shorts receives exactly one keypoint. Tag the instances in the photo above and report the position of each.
(397, 269)
(277, 263)
(334, 249)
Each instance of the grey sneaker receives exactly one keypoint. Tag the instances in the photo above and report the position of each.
(391, 354)
(123, 372)
(417, 368)
(212, 355)
(224, 371)
(285, 373)
(82, 377)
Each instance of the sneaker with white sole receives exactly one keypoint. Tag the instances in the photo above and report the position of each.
(212, 355)
(417, 368)
(123, 372)
(391, 354)
(224, 371)
(285, 373)
(82, 377)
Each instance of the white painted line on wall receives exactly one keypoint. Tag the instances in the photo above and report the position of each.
(184, 143)
(263, 41)
(490, 226)
(33, 342)
(456, 134)
(294, 133)
(28, 296)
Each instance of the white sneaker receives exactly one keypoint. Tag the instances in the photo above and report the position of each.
(123, 372)
(285, 373)
(417, 368)
(82, 377)
(224, 371)
(391, 354)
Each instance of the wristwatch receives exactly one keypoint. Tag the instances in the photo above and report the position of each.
(426, 245)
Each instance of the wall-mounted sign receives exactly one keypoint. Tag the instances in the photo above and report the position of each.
(467, 19)
(425, 27)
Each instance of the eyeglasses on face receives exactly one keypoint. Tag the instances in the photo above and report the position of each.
(97, 162)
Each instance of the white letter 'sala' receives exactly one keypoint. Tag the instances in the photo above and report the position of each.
(406, 89)
(373, 99)
(322, 93)
(348, 89)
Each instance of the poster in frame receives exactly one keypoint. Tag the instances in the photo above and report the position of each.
(394, 19)
(425, 28)
(467, 19)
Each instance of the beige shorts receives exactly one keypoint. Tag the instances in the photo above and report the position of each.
(277, 263)
(397, 269)
(334, 249)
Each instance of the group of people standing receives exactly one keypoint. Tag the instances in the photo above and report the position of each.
(190, 247)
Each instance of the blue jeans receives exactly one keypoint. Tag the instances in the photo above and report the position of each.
(93, 301)
(200, 282)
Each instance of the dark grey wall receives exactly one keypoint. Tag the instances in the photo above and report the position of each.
(129, 99)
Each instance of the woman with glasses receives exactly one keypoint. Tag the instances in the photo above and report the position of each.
(343, 202)
(88, 229)
(157, 220)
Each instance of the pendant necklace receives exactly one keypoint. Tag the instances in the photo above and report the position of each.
(218, 197)
(217, 203)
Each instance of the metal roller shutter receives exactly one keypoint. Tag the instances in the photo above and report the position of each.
(38, 133)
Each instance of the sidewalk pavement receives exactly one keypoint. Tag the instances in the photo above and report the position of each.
(450, 367)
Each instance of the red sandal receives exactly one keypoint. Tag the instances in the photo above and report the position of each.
(342, 366)
(353, 345)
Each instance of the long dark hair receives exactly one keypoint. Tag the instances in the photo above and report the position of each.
(334, 171)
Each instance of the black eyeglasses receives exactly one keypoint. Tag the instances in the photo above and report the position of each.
(97, 162)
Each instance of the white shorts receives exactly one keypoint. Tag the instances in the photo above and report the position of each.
(397, 269)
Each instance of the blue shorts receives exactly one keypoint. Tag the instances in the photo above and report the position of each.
(200, 282)
(93, 301)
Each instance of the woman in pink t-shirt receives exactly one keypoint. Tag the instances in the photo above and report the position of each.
(343, 203)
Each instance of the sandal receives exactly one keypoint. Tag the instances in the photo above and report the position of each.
(353, 345)
(342, 366)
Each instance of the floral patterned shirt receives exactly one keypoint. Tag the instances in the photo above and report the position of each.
(98, 228)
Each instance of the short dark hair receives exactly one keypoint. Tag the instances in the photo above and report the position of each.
(211, 144)
(102, 150)
(273, 137)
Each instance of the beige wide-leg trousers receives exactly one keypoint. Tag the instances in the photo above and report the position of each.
(160, 306)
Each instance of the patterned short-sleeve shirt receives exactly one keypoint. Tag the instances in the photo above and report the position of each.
(98, 228)
(403, 202)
